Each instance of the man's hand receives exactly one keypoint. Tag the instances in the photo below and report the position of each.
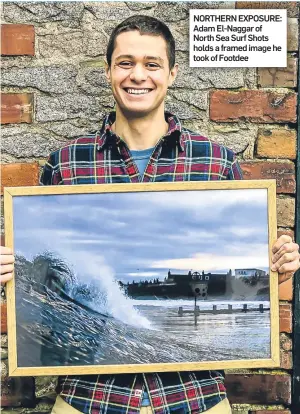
(286, 258)
(6, 264)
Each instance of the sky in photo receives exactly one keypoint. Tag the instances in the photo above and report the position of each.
(136, 236)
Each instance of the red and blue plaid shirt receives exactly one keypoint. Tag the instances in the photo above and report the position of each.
(181, 155)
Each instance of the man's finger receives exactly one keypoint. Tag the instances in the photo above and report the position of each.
(6, 259)
(285, 258)
(290, 267)
(5, 278)
(5, 250)
(286, 248)
(6, 269)
(281, 241)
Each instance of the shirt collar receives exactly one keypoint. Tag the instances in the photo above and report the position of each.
(174, 131)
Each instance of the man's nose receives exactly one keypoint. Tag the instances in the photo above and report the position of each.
(138, 73)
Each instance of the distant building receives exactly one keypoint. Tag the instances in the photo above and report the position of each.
(249, 272)
(190, 284)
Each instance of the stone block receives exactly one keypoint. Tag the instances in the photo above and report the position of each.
(69, 106)
(51, 79)
(286, 342)
(276, 143)
(285, 212)
(22, 142)
(17, 39)
(285, 318)
(253, 105)
(238, 137)
(16, 108)
(290, 6)
(41, 12)
(286, 360)
(18, 175)
(279, 77)
(292, 35)
(284, 173)
(258, 388)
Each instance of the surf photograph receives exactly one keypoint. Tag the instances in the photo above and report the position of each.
(144, 277)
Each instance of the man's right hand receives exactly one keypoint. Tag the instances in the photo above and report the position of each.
(6, 264)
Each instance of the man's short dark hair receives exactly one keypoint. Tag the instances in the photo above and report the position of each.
(146, 25)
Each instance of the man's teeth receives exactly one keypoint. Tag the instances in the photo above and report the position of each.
(138, 91)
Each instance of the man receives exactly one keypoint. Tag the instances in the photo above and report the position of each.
(142, 143)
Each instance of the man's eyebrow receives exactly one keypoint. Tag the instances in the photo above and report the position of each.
(154, 58)
(125, 57)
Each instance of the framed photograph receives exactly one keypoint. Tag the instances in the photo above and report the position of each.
(142, 277)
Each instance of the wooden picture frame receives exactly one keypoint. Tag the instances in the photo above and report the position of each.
(74, 301)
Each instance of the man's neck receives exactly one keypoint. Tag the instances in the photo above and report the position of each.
(140, 133)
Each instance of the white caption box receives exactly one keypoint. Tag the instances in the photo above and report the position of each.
(238, 38)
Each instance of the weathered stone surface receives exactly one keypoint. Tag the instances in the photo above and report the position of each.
(182, 109)
(68, 106)
(140, 6)
(286, 360)
(92, 81)
(26, 142)
(279, 77)
(199, 99)
(58, 45)
(17, 39)
(4, 369)
(3, 340)
(40, 12)
(203, 78)
(292, 35)
(290, 6)
(53, 79)
(253, 105)
(239, 138)
(72, 128)
(176, 11)
(113, 11)
(276, 143)
(286, 212)
(3, 354)
(286, 342)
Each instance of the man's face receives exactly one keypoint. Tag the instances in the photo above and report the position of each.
(139, 74)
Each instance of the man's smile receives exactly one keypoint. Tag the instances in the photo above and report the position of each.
(134, 91)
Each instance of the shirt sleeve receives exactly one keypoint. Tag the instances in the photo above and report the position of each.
(235, 171)
(51, 174)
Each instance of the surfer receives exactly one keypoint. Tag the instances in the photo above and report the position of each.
(140, 142)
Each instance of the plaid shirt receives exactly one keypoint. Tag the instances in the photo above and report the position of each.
(181, 155)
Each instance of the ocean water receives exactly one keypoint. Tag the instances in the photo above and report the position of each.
(105, 327)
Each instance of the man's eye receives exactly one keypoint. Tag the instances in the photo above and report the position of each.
(125, 64)
(153, 65)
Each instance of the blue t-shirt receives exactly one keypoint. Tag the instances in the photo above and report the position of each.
(141, 158)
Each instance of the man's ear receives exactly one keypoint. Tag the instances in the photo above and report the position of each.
(107, 71)
(173, 74)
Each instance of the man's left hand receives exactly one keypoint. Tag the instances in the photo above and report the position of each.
(286, 258)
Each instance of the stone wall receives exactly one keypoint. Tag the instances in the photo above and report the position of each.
(53, 88)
